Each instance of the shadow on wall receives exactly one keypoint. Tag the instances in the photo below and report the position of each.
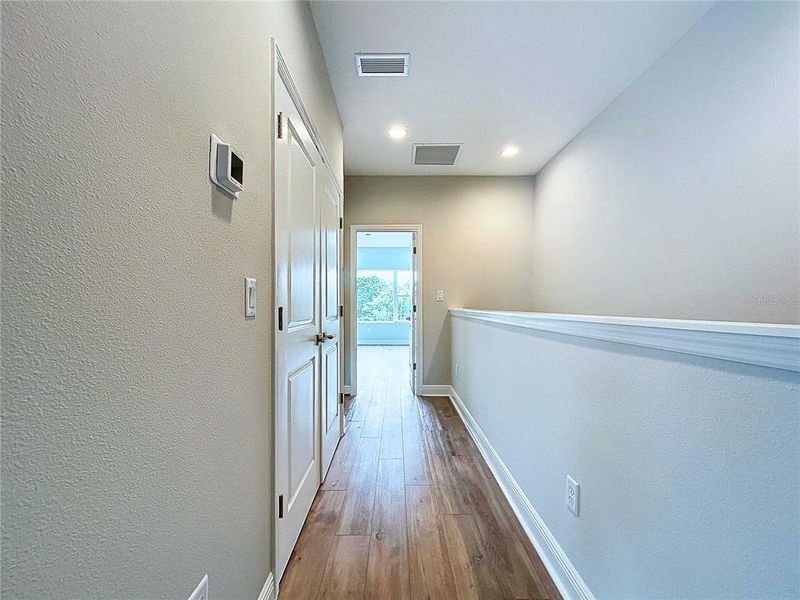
(221, 204)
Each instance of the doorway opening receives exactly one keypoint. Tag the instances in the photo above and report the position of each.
(385, 312)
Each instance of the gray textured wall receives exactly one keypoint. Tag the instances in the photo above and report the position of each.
(682, 198)
(136, 423)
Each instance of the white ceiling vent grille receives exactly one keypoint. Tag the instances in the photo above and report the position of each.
(436, 154)
(382, 65)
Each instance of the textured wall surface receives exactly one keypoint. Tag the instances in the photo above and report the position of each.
(475, 246)
(689, 467)
(682, 198)
(136, 421)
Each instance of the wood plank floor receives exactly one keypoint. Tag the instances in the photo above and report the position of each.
(409, 508)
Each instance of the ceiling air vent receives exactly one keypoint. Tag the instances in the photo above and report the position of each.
(436, 154)
(382, 65)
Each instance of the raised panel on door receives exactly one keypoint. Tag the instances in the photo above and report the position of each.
(302, 233)
(301, 398)
(330, 404)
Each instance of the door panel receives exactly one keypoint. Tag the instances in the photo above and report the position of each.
(330, 207)
(297, 357)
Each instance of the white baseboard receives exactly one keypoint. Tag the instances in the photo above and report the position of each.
(346, 390)
(268, 591)
(436, 390)
(561, 569)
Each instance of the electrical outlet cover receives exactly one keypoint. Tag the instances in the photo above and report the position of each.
(573, 495)
(201, 591)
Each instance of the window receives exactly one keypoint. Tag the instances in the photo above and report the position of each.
(383, 295)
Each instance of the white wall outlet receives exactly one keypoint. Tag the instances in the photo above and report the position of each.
(458, 370)
(201, 591)
(573, 495)
(440, 295)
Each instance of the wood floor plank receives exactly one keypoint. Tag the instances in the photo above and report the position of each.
(338, 475)
(373, 424)
(415, 457)
(345, 572)
(360, 406)
(474, 578)
(392, 433)
(427, 413)
(356, 516)
(430, 572)
(303, 576)
(387, 571)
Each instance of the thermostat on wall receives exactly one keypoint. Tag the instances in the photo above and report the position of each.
(226, 167)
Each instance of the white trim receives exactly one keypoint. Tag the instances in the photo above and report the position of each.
(268, 590)
(436, 390)
(764, 344)
(346, 390)
(565, 576)
(352, 330)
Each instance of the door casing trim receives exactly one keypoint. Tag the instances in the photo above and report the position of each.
(352, 325)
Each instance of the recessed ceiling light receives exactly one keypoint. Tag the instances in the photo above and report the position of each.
(397, 132)
(509, 151)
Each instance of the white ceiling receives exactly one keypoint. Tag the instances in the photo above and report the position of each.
(486, 74)
(383, 239)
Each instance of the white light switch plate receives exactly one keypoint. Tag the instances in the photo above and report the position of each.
(201, 591)
(249, 297)
(573, 495)
(439, 295)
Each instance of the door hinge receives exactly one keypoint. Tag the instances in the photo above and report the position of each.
(280, 126)
(341, 310)
(341, 398)
(341, 222)
(280, 318)
(415, 249)
(415, 308)
(415, 366)
(280, 506)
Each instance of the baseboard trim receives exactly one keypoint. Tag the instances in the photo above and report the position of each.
(268, 591)
(436, 390)
(561, 569)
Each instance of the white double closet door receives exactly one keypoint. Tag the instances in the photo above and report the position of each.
(308, 412)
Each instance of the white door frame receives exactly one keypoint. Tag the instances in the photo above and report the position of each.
(416, 332)
(280, 72)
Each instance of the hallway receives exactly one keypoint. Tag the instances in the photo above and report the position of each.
(409, 509)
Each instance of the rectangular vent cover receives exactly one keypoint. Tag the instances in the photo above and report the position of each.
(382, 65)
(436, 154)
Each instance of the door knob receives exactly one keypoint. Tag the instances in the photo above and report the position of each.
(321, 337)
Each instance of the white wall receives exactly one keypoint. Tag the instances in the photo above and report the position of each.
(136, 441)
(475, 246)
(682, 198)
(689, 467)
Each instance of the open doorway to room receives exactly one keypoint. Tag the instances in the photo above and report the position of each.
(384, 343)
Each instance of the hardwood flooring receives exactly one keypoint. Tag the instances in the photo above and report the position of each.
(409, 509)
